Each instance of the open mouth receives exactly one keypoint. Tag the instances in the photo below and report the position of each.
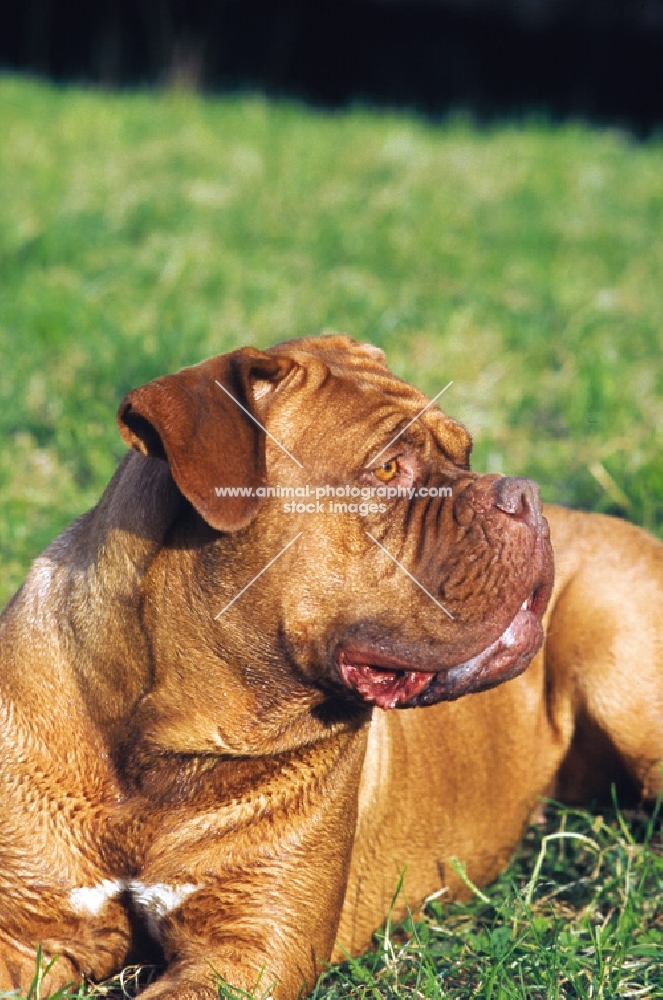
(378, 678)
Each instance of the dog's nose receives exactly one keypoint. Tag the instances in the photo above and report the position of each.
(520, 498)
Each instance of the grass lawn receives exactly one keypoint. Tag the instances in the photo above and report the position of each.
(143, 232)
(578, 914)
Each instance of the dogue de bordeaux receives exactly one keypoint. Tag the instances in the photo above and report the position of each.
(201, 755)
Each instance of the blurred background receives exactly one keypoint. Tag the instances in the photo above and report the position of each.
(474, 185)
(596, 58)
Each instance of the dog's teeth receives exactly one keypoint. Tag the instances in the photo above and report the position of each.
(523, 606)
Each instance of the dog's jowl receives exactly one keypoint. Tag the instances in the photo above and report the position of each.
(297, 647)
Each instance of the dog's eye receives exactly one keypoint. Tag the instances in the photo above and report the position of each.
(387, 471)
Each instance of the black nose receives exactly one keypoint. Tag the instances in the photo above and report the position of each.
(520, 498)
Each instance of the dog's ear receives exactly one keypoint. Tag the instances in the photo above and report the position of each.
(203, 421)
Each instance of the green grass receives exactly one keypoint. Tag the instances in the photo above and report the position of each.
(143, 232)
(578, 914)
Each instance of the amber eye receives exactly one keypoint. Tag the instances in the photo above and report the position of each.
(387, 471)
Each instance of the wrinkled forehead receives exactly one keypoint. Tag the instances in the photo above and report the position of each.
(401, 408)
(358, 375)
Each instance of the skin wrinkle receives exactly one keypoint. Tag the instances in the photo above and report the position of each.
(384, 427)
(412, 528)
(407, 435)
(436, 506)
(398, 547)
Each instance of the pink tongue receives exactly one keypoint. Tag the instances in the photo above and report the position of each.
(384, 688)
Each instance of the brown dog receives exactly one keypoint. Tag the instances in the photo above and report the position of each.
(191, 752)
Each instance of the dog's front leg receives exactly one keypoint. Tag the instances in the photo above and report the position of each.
(252, 889)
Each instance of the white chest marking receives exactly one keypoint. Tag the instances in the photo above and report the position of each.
(158, 899)
(92, 899)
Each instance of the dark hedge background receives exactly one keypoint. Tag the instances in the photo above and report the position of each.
(597, 59)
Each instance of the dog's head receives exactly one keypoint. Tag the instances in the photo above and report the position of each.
(333, 515)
